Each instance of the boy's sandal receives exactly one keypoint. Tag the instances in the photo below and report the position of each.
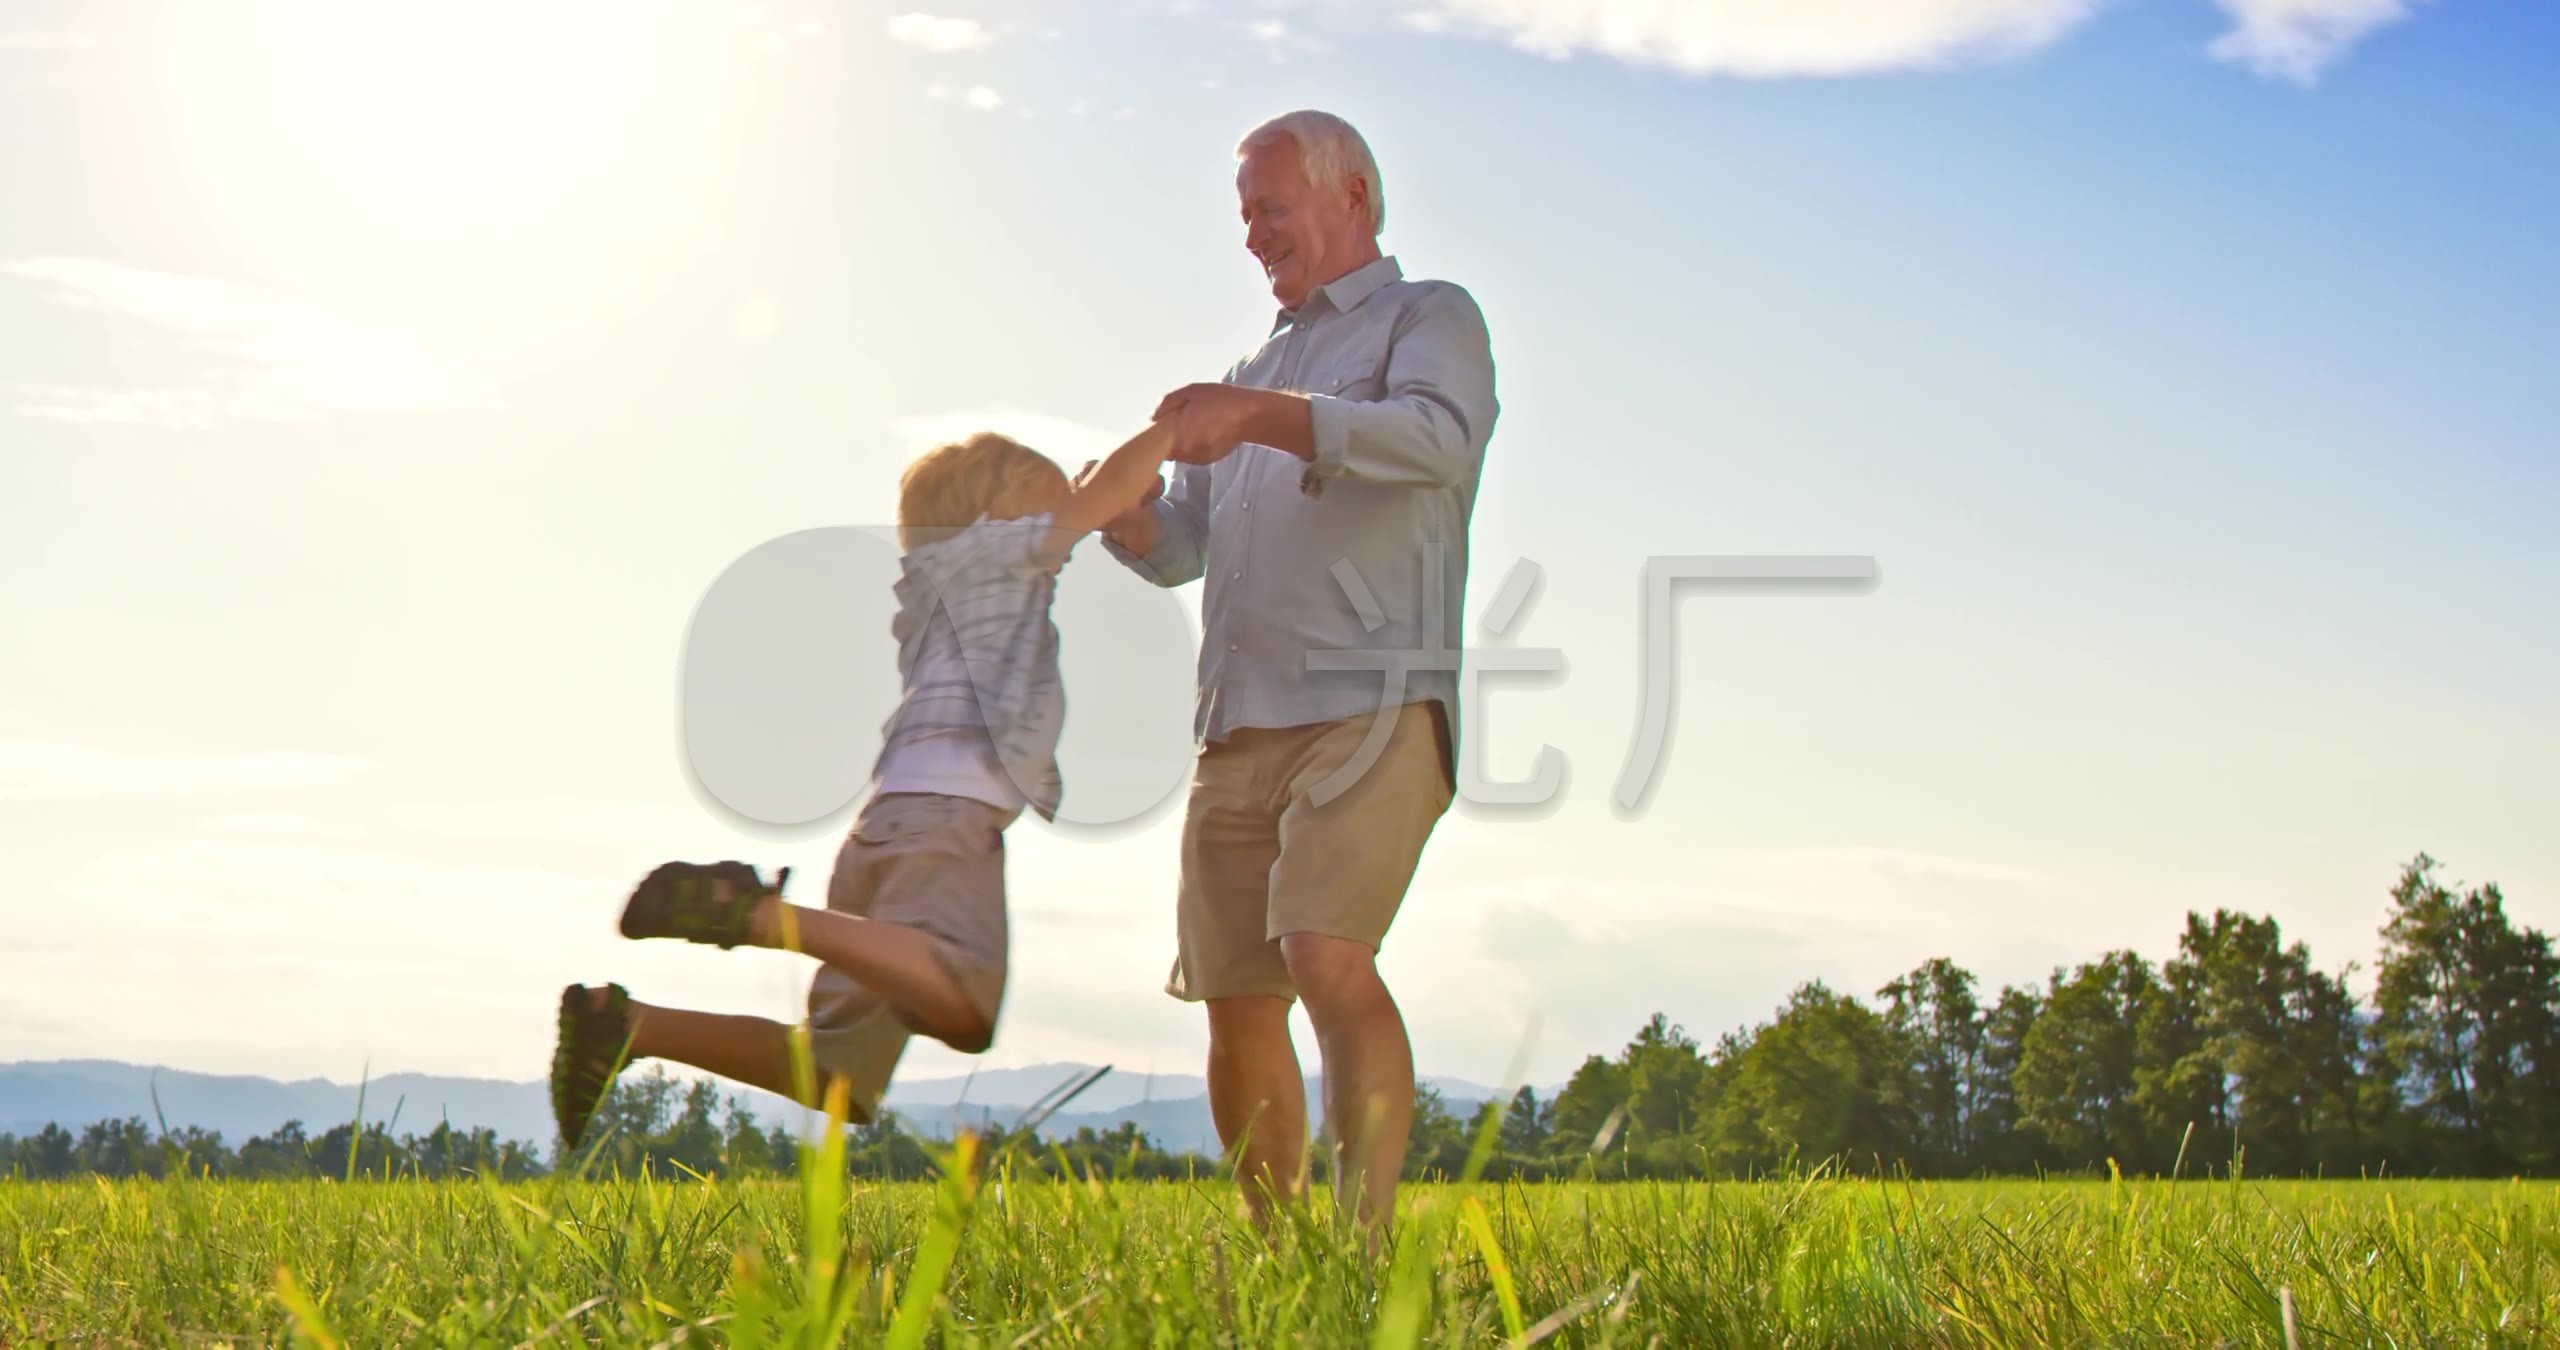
(593, 1039)
(709, 903)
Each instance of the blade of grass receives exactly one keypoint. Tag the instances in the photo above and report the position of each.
(954, 1199)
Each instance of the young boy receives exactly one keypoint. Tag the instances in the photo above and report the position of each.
(913, 935)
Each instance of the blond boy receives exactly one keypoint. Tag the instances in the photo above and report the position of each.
(913, 936)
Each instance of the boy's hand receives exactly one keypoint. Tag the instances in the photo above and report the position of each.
(1211, 420)
(1123, 528)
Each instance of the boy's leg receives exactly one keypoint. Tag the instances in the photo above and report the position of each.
(755, 1051)
(914, 915)
(915, 920)
(902, 965)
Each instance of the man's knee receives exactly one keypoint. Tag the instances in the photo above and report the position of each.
(1246, 1025)
(1330, 972)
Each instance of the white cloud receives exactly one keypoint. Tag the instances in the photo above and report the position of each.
(1770, 37)
(2280, 39)
(938, 34)
(36, 771)
(977, 96)
(269, 359)
(273, 824)
(1278, 40)
(39, 40)
(1068, 442)
(2295, 39)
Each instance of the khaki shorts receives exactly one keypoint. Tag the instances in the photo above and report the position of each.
(921, 861)
(1261, 860)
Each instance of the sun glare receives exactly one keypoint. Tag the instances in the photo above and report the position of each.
(461, 92)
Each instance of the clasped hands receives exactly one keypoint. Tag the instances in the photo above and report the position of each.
(1210, 420)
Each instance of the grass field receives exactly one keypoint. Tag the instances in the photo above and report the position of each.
(1818, 1261)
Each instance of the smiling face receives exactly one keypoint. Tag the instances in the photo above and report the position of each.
(1302, 234)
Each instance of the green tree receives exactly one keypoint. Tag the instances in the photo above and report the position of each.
(2074, 1084)
(1664, 1076)
(1435, 1140)
(2252, 1040)
(1595, 1093)
(120, 1148)
(1937, 1026)
(50, 1153)
(284, 1154)
(1526, 1125)
(1824, 1079)
(2002, 1146)
(2467, 1026)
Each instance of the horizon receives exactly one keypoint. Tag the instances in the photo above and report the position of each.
(386, 388)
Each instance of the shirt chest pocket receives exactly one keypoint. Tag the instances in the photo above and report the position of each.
(1355, 370)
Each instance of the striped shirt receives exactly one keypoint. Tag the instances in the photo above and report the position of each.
(981, 702)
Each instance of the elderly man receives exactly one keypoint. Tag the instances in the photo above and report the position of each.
(1324, 494)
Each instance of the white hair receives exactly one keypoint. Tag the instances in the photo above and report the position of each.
(1331, 151)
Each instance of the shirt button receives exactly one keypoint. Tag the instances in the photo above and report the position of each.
(1231, 646)
(1235, 576)
(1247, 506)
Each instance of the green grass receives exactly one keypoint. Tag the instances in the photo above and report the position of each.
(1819, 1261)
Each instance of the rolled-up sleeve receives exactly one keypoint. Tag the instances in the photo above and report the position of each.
(1181, 553)
(1429, 426)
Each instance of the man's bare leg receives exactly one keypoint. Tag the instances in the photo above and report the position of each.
(1258, 1095)
(1368, 1070)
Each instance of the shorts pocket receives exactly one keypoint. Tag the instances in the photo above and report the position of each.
(892, 819)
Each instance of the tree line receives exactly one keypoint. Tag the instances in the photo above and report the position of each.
(2236, 1054)
(649, 1123)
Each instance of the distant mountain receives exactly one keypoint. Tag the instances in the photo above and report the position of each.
(74, 1092)
(1173, 1108)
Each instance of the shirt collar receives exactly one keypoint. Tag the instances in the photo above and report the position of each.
(1345, 292)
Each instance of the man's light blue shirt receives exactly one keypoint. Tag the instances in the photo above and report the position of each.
(1365, 548)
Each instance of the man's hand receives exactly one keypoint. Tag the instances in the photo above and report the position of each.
(1211, 420)
(1135, 528)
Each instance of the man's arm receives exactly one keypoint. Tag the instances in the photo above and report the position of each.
(1427, 428)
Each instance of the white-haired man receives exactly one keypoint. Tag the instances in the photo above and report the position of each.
(1354, 434)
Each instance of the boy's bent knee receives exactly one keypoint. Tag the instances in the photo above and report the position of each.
(972, 1036)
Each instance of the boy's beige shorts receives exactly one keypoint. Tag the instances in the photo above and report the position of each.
(922, 861)
(1261, 860)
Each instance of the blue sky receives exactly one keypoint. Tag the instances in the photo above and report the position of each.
(383, 386)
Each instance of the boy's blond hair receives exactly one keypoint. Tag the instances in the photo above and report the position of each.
(950, 486)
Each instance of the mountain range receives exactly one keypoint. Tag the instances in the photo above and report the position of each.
(1173, 1109)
